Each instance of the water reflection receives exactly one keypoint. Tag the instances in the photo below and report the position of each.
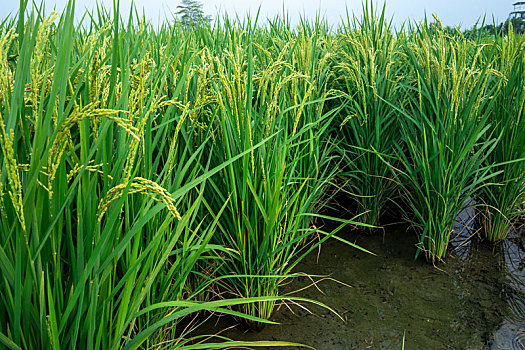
(504, 264)
(511, 334)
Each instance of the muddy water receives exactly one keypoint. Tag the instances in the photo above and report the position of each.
(476, 300)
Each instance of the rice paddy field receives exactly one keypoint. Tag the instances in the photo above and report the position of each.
(153, 177)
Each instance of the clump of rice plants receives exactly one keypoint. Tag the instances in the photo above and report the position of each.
(273, 95)
(104, 167)
(369, 71)
(443, 151)
(501, 202)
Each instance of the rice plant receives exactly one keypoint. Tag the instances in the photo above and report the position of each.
(501, 202)
(370, 68)
(274, 94)
(443, 151)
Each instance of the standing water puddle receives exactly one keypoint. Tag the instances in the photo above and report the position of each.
(475, 300)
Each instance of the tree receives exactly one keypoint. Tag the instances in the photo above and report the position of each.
(191, 13)
(517, 24)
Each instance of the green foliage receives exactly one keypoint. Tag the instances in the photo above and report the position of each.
(147, 174)
(107, 170)
(134, 164)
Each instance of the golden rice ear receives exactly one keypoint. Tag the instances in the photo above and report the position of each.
(143, 186)
(91, 168)
(6, 76)
(40, 66)
(13, 174)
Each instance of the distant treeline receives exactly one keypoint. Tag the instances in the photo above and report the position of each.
(517, 25)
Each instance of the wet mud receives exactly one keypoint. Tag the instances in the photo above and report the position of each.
(474, 300)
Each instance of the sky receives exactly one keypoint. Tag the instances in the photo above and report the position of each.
(462, 13)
